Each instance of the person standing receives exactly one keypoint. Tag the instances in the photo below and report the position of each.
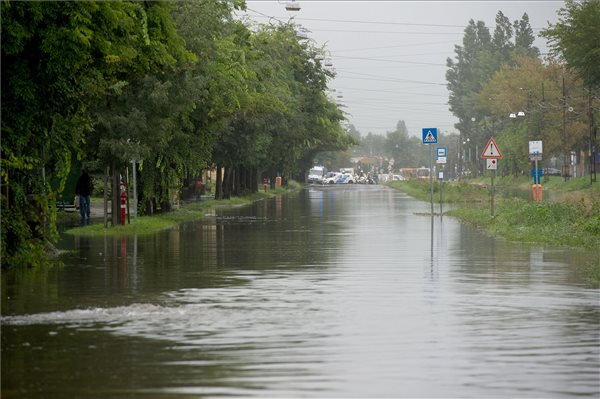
(84, 189)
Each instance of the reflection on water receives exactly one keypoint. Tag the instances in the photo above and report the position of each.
(338, 291)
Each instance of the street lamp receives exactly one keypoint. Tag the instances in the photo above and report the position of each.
(292, 6)
(466, 144)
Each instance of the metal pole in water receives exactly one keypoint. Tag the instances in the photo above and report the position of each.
(441, 186)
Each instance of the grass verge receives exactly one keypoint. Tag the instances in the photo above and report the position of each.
(193, 211)
(574, 220)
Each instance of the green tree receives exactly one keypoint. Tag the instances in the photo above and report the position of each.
(575, 39)
(536, 89)
(501, 42)
(286, 119)
(524, 37)
(404, 149)
(59, 59)
(476, 61)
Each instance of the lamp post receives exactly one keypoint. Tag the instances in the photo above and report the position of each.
(467, 161)
(292, 5)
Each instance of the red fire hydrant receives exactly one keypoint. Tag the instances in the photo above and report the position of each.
(123, 206)
(265, 184)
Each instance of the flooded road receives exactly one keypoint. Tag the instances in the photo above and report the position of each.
(343, 291)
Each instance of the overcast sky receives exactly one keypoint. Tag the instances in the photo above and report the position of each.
(390, 56)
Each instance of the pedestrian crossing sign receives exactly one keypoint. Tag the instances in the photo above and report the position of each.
(429, 135)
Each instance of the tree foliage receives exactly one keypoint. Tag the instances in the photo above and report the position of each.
(575, 39)
(179, 86)
(491, 79)
(59, 59)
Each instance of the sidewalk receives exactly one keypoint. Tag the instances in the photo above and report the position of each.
(97, 205)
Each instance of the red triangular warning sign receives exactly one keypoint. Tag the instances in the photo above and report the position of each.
(491, 150)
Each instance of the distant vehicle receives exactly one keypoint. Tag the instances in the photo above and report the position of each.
(408, 173)
(399, 178)
(331, 177)
(422, 173)
(552, 172)
(414, 173)
(316, 174)
(345, 178)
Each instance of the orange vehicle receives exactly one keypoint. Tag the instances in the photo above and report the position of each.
(408, 173)
(415, 173)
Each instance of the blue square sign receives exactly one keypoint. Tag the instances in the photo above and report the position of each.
(429, 135)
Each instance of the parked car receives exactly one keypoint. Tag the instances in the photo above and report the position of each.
(315, 175)
(342, 179)
(331, 177)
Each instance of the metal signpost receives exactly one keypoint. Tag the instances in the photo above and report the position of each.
(440, 153)
(429, 136)
(535, 154)
(491, 153)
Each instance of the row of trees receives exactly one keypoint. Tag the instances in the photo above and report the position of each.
(477, 60)
(498, 73)
(551, 99)
(177, 86)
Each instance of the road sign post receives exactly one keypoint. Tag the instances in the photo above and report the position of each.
(440, 153)
(429, 135)
(535, 154)
(491, 153)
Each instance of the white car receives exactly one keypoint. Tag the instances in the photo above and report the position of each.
(315, 175)
(331, 177)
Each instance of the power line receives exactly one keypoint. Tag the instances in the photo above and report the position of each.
(385, 31)
(392, 101)
(381, 23)
(351, 21)
(387, 79)
(397, 46)
(394, 91)
(392, 108)
(401, 81)
(386, 60)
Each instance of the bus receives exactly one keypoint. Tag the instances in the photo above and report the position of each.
(422, 173)
(415, 173)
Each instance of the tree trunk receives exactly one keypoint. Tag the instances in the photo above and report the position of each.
(219, 183)
(240, 180)
(116, 191)
(227, 182)
(249, 185)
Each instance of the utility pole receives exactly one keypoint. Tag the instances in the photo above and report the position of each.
(593, 142)
(566, 167)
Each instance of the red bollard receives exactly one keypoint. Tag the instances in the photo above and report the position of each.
(123, 206)
(265, 184)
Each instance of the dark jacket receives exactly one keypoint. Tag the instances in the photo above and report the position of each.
(84, 185)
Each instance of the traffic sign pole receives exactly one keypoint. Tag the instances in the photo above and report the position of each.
(431, 176)
(535, 154)
(492, 153)
(429, 136)
(492, 196)
(441, 185)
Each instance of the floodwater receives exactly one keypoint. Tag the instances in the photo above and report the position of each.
(342, 291)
